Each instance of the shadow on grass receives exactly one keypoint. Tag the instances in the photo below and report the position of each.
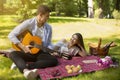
(63, 20)
(5, 30)
(7, 27)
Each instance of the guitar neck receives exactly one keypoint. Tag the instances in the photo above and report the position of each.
(45, 48)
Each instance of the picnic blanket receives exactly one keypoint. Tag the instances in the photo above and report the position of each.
(46, 73)
(88, 66)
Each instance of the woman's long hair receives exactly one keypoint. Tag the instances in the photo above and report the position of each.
(80, 39)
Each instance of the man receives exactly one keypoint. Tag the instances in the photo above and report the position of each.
(37, 26)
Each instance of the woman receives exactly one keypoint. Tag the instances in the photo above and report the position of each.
(75, 47)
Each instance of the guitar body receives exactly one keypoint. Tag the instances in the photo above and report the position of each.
(28, 39)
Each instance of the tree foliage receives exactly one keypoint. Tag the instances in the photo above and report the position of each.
(79, 8)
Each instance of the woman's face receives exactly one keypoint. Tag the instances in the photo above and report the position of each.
(42, 18)
(73, 40)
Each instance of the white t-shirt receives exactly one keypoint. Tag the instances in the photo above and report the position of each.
(40, 32)
(63, 48)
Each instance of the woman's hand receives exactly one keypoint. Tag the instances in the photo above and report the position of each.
(54, 54)
(83, 51)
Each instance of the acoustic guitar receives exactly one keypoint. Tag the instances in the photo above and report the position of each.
(28, 39)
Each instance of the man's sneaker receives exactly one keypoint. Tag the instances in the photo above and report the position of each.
(13, 66)
(31, 74)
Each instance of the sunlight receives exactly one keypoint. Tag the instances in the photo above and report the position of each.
(87, 29)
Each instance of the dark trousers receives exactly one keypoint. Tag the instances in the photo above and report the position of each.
(31, 61)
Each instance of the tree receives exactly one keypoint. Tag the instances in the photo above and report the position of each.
(117, 5)
(28, 8)
(103, 8)
(69, 7)
(90, 9)
(82, 7)
(55, 6)
(2, 2)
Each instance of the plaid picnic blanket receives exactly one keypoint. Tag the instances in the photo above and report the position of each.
(46, 73)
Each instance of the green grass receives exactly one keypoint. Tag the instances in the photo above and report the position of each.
(64, 27)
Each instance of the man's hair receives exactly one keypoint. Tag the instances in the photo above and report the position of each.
(43, 9)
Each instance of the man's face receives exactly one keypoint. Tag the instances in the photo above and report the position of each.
(42, 18)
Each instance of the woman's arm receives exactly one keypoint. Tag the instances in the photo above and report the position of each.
(82, 52)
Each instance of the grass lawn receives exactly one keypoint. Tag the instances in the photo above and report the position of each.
(64, 27)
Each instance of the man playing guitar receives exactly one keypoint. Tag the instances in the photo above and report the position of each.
(37, 26)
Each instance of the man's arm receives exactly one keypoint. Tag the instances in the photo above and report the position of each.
(13, 35)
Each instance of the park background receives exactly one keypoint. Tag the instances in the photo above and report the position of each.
(94, 19)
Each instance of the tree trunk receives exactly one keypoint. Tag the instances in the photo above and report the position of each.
(90, 9)
(101, 8)
(2, 2)
(79, 7)
(117, 5)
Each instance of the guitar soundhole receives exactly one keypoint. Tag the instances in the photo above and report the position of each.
(32, 43)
